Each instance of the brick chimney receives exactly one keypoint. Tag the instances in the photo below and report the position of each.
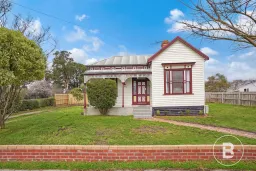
(164, 43)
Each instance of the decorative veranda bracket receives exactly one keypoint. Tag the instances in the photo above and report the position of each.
(121, 77)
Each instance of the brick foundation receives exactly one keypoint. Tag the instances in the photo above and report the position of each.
(117, 153)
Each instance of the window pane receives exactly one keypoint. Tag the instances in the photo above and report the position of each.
(139, 89)
(143, 89)
(170, 82)
(177, 87)
(188, 87)
(177, 76)
(188, 75)
(185, 87)
(134, 87)
(167, 82)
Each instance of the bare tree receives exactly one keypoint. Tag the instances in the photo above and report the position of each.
(5, 7)
(233, 20)
(41, 35)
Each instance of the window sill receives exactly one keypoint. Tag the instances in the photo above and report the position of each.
(177, 94)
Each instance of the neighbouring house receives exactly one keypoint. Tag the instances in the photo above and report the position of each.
(250, 87)
(169, 82)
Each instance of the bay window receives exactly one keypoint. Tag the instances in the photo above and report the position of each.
(177, 81)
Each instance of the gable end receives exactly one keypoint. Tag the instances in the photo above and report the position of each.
(182, 41)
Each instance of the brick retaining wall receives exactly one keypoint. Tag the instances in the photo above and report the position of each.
(117, 153)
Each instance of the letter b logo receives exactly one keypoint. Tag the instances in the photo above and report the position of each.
(226, 150)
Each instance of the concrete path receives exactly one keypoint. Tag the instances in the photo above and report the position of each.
(25, 114)
(211, 128)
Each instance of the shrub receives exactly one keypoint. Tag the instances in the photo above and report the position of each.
(102, 94)
(29, 104)
(187, 111)
(36, 103)
(201, 112)
(77, 93)
(158, 112)
(46, 102)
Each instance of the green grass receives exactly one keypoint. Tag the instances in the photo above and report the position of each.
(125, 165)
(225, 115)
(41, 109)
(68, 126)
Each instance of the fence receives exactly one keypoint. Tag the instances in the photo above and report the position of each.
(236, 98)
(67, 99)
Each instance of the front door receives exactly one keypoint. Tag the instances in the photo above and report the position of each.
(142, 92)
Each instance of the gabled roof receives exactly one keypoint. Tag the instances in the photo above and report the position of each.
(123, 60)
(182, 41)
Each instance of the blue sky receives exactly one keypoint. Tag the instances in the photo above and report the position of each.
(103, 28)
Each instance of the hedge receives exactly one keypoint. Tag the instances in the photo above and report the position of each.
(36, 103)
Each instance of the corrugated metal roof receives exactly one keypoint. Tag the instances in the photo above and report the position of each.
(124, 60)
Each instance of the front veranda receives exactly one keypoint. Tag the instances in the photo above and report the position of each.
(133, 90)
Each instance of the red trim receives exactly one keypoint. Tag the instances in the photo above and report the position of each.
(182, 41)
(84, 95)
(184, 63)
(102, 73)
(118, 65)
(190, 82)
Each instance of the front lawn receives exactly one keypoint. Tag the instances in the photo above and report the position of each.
(68, 126)
(225, 115)
(139, 165)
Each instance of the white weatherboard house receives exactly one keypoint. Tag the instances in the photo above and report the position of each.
(169, 82)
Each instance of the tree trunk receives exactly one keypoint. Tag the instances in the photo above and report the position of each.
(2, 123)
(103, 111)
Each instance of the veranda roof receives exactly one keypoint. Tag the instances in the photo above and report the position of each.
(123, 60)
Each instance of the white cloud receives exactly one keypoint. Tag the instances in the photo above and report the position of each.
(95, 45)
(251, 54)
(78, 34)
(81, 17)
(242, 22)
(94, 31)
(90, 61)
(35, 27)
(247, 24)
(92, 43)
(212, 61)
(208, 51)
(79, 55)
(123, 50)
(175, 14)
(239, 66)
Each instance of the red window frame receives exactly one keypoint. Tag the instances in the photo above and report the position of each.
(183, 82)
